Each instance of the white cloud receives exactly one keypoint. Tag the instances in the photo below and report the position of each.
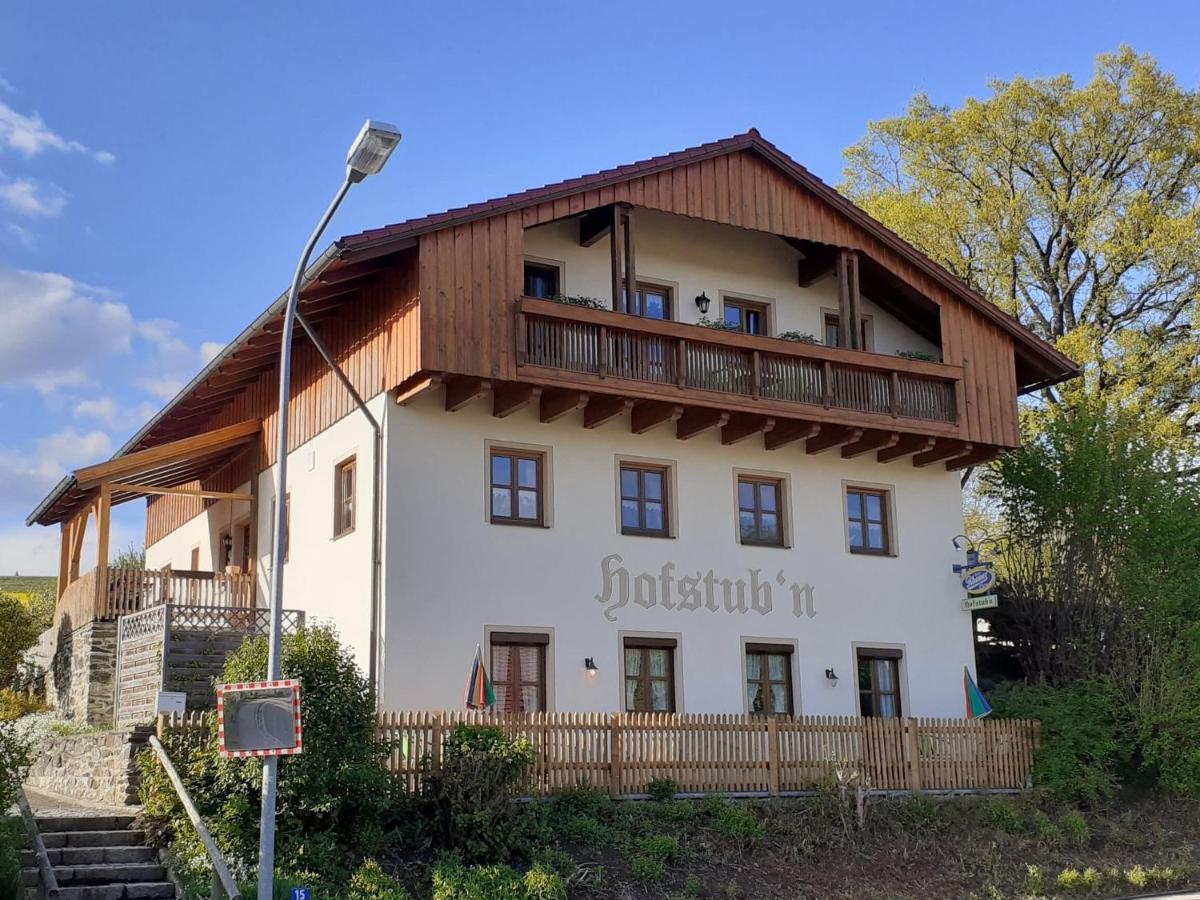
(164, 387)
(21, 235)
(26, 475)
(30, 198)
(29, 136)
(102, 409)
(209, 351)
(54, 327)
(114, 414)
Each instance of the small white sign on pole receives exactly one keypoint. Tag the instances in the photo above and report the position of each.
(988, 601)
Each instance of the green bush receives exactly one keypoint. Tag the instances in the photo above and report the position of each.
(473, 793)
(335, 800)
(662, 789)
(454, 881)
(21, 630)
(650, 858)
(14, 763)
(741, 824)
(1085, 741)
(371, 883)
(14, 704)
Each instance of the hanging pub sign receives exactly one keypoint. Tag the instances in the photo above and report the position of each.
(978, 579)
(259, 718)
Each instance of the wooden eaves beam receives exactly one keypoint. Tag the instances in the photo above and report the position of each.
(201, 444)
(594, 225)
(124, 487)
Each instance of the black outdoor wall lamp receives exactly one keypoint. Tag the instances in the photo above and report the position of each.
(702, 302)
(590, 667)
(831, 676)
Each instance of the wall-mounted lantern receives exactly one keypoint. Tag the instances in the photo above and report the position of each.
(227, 546)
(702, 302)
(831, 677)
(590, 667)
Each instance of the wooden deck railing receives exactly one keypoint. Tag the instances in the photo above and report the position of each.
(738, 754)
(603, 344)
(109, 593)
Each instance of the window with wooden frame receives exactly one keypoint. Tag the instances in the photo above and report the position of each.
(760, 510)
(343, 497)
(542, 280)
(644, 500)
(867, 527)
(519, 671)
(879, 683)
(650, 300)
(746, 315)
(833, 331)
(516, 487)
(649, 674)
(769, 679)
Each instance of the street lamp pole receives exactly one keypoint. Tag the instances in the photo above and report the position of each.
(367, 156)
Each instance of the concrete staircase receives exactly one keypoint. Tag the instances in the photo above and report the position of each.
(98, 857)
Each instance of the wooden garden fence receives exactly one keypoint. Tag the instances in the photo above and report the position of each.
(736, 754)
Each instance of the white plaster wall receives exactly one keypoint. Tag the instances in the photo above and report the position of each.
(695, 256)
(450, 574)
(327, 577)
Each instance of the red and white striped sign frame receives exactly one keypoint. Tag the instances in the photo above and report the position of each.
(248, 687)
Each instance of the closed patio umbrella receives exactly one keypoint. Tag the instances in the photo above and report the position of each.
(480, 693)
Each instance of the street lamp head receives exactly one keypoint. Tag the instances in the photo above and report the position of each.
(371, 149)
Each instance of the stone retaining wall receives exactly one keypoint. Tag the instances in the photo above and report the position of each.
(82, 676)
(99, 768)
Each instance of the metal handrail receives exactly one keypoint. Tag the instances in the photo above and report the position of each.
(222, 879)
(45, 870)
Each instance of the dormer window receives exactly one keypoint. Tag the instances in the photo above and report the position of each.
(542, 281)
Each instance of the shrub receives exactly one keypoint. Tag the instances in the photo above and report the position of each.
(740, 824)
(334, 799)
(1085, 741)
(649, 860)
(474, 792)
(20, 632)
(1003, 814)
(1074, 828)
(14, 763)
(371, 883)
(662, 789)
(14, 704)
(800, 337)
(454, 881)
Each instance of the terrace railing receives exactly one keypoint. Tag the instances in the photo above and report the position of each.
(104, 594)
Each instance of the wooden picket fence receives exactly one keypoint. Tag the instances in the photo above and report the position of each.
(733, 754)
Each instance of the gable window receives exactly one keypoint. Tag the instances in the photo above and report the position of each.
(650, 300)
(516, 487)
(519, 671)
(343, 497)
(769, 679)
(746, 316)
(649, 674)
(833, 331)
(760, 519)
(867, 521)
(879, 683)
(644, 500)
(541, 280)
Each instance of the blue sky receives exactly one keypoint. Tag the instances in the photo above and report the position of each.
(161, 163)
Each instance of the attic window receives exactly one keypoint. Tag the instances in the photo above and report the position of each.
(541, 280)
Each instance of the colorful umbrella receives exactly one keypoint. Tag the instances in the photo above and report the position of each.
(480, 693)
(977, 705)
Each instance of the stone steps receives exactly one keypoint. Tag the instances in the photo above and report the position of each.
(98, 857)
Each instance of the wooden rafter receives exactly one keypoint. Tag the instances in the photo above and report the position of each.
(830, 437)
(512, 397)
(210, 442)
(788, 432)
(126, 488)
(558, 403)
(462, 391)
(595, 225)
(872, 440)
(943, 449)
(976, 457)
(699, 420)
(602, 408)
(648, 414)
(743, 426)
(906, 446)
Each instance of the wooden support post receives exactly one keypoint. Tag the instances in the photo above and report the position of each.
(103, 509)
(615, 253)
(64, 558)
(614, 756)
(914, 754)
(251, 564)
(630, 266)
(854, 323)
(846, 324)
(773, 755)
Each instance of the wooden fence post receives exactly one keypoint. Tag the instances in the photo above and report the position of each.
(614, 756)
(773, 755)
(435, 751)
(914, 754)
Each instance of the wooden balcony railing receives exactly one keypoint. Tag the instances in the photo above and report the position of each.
(105, 594)
(601, 344)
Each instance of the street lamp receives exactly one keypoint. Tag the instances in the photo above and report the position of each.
(367, 156)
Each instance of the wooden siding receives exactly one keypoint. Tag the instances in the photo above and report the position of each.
(470, 275)
(376, 339)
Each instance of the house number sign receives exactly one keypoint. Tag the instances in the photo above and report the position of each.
(690, 591)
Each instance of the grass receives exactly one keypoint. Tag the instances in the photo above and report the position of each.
(24, 586)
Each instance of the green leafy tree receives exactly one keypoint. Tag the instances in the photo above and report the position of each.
(132, 557)
(20, 627)
(1074, 207)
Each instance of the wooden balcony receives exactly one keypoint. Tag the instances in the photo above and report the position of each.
(107, 594)
(656, 360)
